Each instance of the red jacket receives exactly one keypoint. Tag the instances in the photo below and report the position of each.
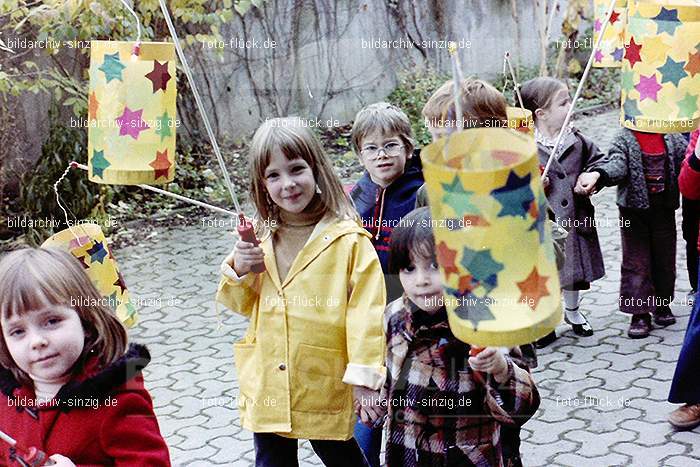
(689, 178)
(121, 431)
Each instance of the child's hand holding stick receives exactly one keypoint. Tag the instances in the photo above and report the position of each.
(489, 360)
(244, 257)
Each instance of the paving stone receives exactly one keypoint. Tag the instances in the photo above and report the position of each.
(644, 456)
(597, 444)
(569, 459)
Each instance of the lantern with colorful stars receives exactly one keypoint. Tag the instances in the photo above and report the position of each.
(612, 47)
(87, 243)
(494, 247)
(661, 67)
(521, 120)
(131, 113)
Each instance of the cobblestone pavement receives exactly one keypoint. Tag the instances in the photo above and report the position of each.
(603, 397)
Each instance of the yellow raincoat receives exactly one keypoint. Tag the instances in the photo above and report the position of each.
(311, 337)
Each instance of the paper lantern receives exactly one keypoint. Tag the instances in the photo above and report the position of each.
(521, 120)
(91, 249)
(494, 247)
(612, 47)
(661, 67)
(131, 113)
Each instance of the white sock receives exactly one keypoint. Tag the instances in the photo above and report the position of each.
(571, 298)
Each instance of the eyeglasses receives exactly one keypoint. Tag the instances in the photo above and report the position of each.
(392, 149)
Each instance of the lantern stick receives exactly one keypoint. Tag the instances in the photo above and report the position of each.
(200, 106)
(578, 90)
(457, 80)
(137, 47)
(166, 193)
(60, 205)
(506, 58)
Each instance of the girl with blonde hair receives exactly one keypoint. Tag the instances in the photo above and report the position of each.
(312, 357)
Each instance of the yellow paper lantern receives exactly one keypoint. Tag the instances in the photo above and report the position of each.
(612, 47)
(131, 113)
(494, 248)
(661, 67)
(521, 120)
(88, 244)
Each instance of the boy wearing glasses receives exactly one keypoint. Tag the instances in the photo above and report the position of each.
(382, 138)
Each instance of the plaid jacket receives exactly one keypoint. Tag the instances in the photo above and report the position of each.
(439, 413)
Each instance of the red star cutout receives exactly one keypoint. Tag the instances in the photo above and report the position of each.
(92, 106)
(633, 52)
(159, 76)
(533, 288)
(475, 221)
(466, 284)
(161, 164)
(446, 258)
(506, 157)
(693, 65)
(120, 282)
(614, 17)
(81, 259)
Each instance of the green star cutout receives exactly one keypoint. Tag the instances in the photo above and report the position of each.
(163, 126)
(631, 109)
(112, 67)
(627, 80)
(99, 163)
(636, 25)
(481, 265)
(458, 198)
(688, 106)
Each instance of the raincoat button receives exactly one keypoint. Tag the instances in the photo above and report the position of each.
(282, 366)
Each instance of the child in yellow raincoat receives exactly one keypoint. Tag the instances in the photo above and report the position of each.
(313, 355)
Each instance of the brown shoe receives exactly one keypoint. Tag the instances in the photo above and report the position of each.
(640, 327)
(663, 316)
(686, 417)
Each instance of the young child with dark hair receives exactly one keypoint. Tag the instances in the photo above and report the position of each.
(548, 100)
(444, 407)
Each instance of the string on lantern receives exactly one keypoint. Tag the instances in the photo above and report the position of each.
(137, 47)
(557, 142)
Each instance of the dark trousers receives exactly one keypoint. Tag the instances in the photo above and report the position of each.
(370, 441)
(691, 219)
(272, 450)
(648, 271)
(684, 387)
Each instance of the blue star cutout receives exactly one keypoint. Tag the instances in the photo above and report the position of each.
(458, 198)
(481, 265)
(99, 163)
(631, 109)
(112, 67)
(97, 252)
(472, 308)
(667, 21)
(617, 54)
(515, 196)
(672, 71)
(113, 301)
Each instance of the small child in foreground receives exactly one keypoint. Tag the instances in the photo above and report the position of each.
(444, 407)
(69, 384)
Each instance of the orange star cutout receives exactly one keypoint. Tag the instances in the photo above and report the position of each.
(533, 288)
(161, 164)
(534, 210)
(466, 284)
(614, 17)
(693, 65)
(446, 258)
(506, 157)
(92, 106)
(475, 221)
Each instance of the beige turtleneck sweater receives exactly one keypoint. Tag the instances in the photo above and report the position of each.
(292, 234)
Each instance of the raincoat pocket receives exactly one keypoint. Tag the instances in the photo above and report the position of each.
(248, 372)
(318, 380)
